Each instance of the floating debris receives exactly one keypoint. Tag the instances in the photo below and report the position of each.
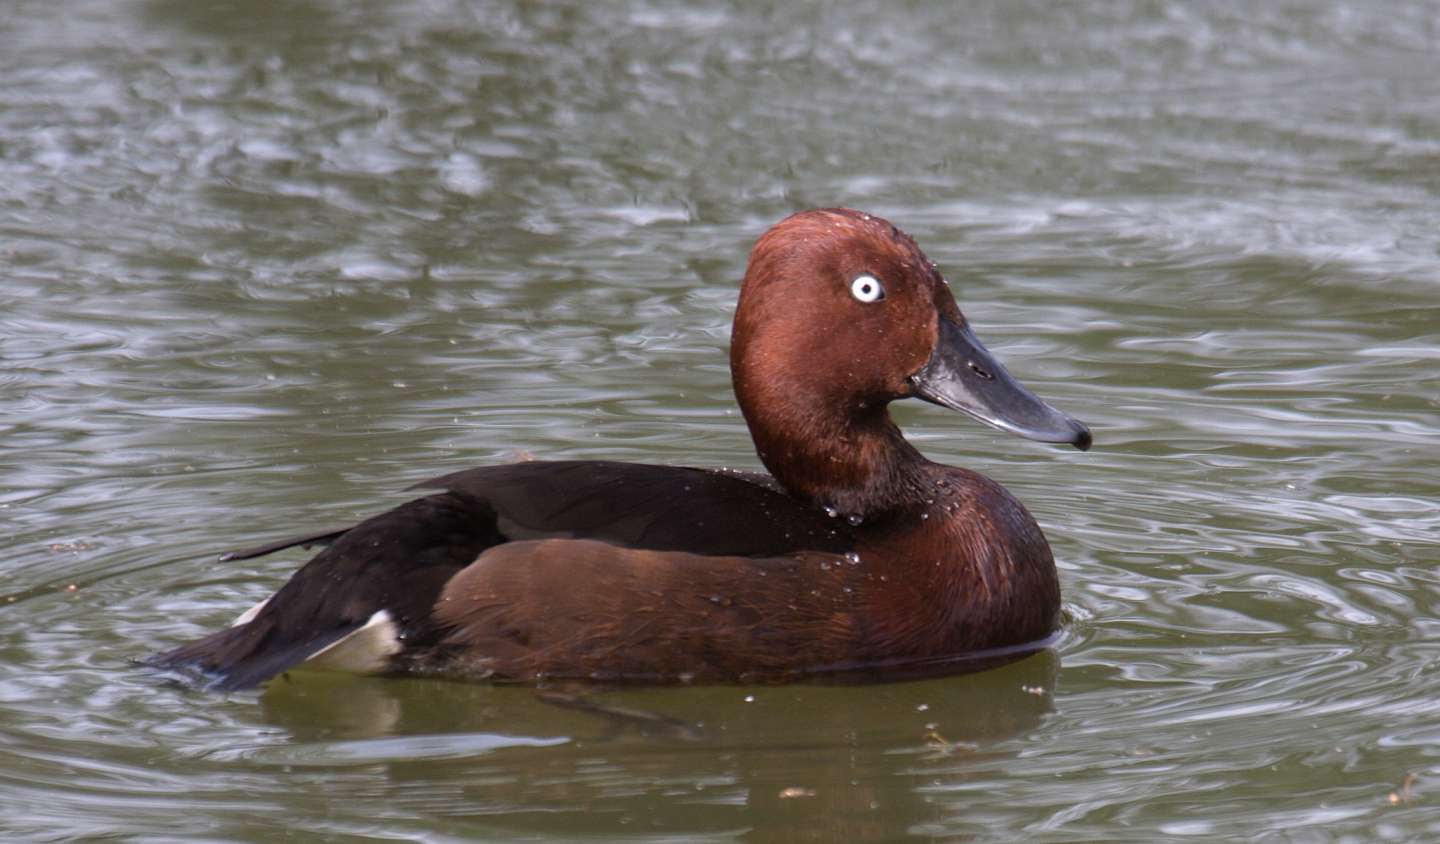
(1405, 792)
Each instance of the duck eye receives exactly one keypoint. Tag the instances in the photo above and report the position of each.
(867, 288)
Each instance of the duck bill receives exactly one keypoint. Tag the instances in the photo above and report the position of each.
(962, 375)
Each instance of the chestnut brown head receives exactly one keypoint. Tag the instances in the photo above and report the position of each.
(841, 313)
(839, 307)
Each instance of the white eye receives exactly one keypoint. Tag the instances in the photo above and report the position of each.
(867, 288)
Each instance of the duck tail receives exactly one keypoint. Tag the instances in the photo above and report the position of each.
(356, 605)
(246, 656)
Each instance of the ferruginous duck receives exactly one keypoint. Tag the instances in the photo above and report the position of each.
(854, 554)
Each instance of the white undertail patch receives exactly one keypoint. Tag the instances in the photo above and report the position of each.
(365, 651)
(249, 615)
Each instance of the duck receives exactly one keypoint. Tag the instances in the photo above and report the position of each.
(850, 553)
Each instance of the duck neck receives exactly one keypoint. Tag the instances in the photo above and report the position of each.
(854, 462)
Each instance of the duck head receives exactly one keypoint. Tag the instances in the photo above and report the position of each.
(840, 314)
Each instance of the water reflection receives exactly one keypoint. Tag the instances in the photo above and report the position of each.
(793, 763)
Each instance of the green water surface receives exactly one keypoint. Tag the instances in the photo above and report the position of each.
(264, 264)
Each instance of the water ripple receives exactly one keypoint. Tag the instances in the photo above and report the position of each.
(265, 266)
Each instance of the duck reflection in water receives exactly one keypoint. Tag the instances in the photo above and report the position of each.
(782, 764)
(854, 556)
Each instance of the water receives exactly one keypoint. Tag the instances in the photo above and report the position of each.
(262, 265)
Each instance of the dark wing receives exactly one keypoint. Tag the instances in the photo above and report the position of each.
(710, 511)
(400, 560)
(397, 561)
(658, 508)
(309, 540)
